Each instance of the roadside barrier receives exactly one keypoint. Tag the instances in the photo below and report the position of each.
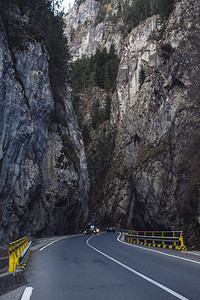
(160, 239)
(19, 251)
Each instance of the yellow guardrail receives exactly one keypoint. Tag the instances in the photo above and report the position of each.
(18, 252)
(161, 239)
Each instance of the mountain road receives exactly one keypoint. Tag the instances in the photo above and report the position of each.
(101, 267)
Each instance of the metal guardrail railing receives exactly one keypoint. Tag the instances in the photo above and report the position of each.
(19, 252)
(160, 239)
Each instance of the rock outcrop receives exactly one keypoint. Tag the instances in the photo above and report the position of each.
(153, 176)
(44, 182)
(143, 160)
(86, 31)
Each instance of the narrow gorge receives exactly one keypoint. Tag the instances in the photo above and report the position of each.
(112, 138)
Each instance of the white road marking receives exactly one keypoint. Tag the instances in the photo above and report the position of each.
(153, 250)
(50, 244)
(138, 273)
(59, 240)
(27, 293)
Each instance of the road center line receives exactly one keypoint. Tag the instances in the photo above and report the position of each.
(138, 273)
(153, 250)
(27, 293)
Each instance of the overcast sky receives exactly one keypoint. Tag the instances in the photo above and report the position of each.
(66, 4)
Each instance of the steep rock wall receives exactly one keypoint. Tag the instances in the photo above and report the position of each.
(86, 31)
(158, 130)
(44, 183)
(153, 178)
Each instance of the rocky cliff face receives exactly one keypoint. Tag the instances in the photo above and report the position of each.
(86, 31)
(153, 177)
(159, 124)
(44, 182)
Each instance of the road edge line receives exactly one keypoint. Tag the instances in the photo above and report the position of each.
(65, 237)
(153, 250)
(27, 293)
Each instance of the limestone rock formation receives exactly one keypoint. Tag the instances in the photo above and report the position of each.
(153, 177)
(86, 31)
(142, 162)
(44, 182)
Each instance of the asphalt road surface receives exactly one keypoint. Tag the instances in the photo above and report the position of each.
(101, 267)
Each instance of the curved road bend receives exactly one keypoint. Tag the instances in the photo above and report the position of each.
(102, 268)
